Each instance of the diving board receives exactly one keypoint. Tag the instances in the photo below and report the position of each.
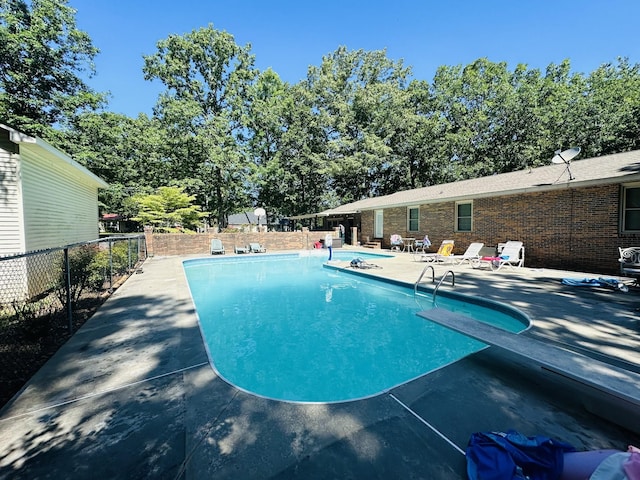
(613, 380)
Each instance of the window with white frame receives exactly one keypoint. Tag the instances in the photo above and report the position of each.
(413, 219)
(464, 216)
(630, 208)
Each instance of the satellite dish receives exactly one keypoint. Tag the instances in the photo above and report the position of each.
(565, 157)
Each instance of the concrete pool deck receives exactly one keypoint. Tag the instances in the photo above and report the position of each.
(131, 394)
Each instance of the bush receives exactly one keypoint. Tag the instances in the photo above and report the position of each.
(82, 277)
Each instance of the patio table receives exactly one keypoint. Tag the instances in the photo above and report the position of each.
(408, 244)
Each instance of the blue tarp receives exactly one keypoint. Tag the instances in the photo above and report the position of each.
(511, 455)
(595, 282)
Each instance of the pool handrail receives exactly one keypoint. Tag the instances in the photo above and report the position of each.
(433, 278)
(453, 282)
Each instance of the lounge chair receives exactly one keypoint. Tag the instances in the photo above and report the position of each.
(216, 246)
(472, 253)
(396, 242)
(445, 250)
(256, 248)
(512, 254)
(241, 249)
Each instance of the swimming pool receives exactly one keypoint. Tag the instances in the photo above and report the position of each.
(284, 327)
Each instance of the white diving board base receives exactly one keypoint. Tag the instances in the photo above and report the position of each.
(613, 380)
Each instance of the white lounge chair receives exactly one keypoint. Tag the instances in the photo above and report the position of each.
(512, 254)
(217, 246)
(442, 255)
(472, 253)
(256, 248)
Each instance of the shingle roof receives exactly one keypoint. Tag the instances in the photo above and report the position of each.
(616, 168)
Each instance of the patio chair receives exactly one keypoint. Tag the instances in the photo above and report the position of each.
(472, 253)
(241, 249)
(256, 248)
(422, 244)
(217, 246)
(396, 242)
(630, 263)
(445, 251)
(512, 254)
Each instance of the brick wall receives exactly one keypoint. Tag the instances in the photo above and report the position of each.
(163, 244)
(574, 229)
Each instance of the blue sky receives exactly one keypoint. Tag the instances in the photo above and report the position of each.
(289, 35)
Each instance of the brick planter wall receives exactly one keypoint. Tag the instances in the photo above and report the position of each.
(164, 244)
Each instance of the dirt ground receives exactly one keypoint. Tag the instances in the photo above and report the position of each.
(26, 344)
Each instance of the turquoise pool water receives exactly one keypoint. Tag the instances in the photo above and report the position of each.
(287, 328)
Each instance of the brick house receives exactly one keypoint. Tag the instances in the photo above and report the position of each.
(568, 216)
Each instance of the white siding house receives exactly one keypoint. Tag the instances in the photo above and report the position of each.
(46, 199)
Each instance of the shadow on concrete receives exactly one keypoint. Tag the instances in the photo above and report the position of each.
(131, 395)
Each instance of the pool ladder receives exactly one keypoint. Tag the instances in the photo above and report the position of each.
(433, 280)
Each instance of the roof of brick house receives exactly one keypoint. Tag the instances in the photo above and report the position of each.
(615, 168)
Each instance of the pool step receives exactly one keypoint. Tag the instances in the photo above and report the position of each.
(610, 379)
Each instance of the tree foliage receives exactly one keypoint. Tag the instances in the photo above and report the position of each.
(358, 125)
(206, 75)
(42, 58)
(167, 209)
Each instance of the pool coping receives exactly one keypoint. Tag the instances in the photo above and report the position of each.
(134, 386)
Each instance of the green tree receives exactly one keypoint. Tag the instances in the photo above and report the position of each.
(293, 182)
(129, 153)
(167, 209)
(42, 58)
(262, 136)
(207, 75)
(348, 88)
(609, 121)
(413, 132)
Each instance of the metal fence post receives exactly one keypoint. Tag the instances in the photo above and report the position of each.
(67, 282)
(110, 266)
(129, 254)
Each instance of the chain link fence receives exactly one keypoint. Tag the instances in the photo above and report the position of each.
(46, 295)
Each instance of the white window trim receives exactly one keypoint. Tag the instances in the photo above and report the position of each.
(455, 213)
(623, 206)
(413, 207)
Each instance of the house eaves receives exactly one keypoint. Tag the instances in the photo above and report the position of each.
(616, 168)
(41, 148)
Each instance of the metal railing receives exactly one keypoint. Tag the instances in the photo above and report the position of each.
(45, 295)
(59, 278)
(433, 277)
(453, 282)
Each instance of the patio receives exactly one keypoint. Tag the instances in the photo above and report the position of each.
(132, 395)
